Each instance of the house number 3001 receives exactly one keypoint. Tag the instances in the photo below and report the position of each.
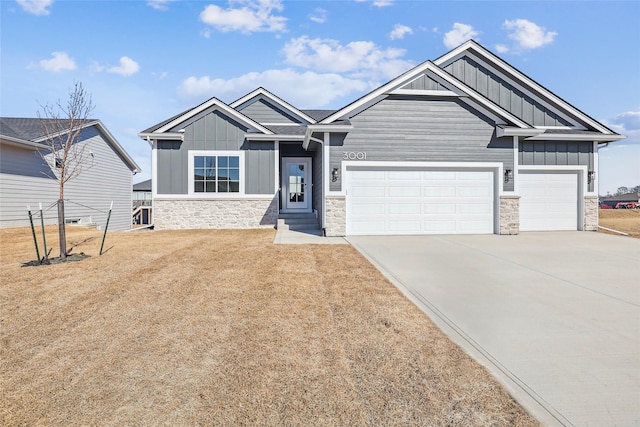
(352, 155)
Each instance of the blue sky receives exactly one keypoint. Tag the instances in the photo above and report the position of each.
(145, 61)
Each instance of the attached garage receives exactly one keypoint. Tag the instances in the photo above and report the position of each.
(549, 200)
(409, 200)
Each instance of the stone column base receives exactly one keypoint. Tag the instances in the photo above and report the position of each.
(336, 216)
(590, 213)
(509, 214)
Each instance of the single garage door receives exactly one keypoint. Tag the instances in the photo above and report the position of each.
(410, 201)
(548, 200)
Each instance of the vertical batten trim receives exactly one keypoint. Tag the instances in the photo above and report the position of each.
(516, 148)
(276, 168)
(326, 152)
(154, 170)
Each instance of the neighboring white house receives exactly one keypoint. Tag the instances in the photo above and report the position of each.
(27, 179)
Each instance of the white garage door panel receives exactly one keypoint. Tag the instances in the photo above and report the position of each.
(420, 202)
(549, 201)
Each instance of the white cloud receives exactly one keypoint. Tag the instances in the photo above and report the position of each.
(36, 7)
(382, 3)
(399, 31)
(459, 34)
(60, 61)
(630, 120)
(127, 67)
(363, 59)
(620, 161)
(159, 4)
(500, 48)
(249, 17)
(305, 90)
(527, 34)
(319, 15)
(206, 33)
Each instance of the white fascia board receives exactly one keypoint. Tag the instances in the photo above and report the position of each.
(272, 137)
(211, 105)
(262, 92)
(500, 132)
(575, 137)
(454, 53)
(422, 92)
(171, 136)
(510, 70)
(325, 129)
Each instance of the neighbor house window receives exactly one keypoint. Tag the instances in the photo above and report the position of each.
(216, 172)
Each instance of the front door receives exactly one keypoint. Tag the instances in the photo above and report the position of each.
(296, 184)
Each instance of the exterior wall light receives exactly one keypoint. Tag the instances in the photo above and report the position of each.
(591, 176)
(334, 175)
(508, 175)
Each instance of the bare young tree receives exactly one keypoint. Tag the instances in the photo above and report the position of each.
(62, 126)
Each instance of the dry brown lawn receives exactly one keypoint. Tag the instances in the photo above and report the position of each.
(225, 328)
(625, 220)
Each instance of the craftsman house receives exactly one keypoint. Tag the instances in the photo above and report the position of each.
(462, 144)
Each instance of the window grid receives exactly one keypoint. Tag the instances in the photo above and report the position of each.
(216, 174)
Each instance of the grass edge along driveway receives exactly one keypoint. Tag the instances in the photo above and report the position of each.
(225, 328)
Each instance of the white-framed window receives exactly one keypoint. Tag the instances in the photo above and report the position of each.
(216, 173)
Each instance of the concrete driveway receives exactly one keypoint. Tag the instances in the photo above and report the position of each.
(555, 316)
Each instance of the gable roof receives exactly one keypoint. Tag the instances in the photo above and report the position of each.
(142, 186)
(262, 93)
(432, 79)
(30, 132)
(473, 48)
(441, 76)
(163, 129)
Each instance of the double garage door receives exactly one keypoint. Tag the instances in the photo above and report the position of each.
(442, 201)
(420, 201)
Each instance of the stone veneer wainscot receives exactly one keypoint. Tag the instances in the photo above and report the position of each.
(336, 216)
(218, 213)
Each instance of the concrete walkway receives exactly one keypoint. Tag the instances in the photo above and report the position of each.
(555, 316)
(285, 236)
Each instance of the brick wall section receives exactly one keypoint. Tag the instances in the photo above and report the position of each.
(509, 214)
(591, 213)
(193, 214)
(336, 216)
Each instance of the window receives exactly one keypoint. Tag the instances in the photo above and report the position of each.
(216, 172)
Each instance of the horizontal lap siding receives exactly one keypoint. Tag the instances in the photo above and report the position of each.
(106, 178)
(419, 129)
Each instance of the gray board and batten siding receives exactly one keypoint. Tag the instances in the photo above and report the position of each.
(264, 112)
(27, 179)
(405, 128)
(215, 131)
(556, 153)
(503, 93)
(424, 82)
